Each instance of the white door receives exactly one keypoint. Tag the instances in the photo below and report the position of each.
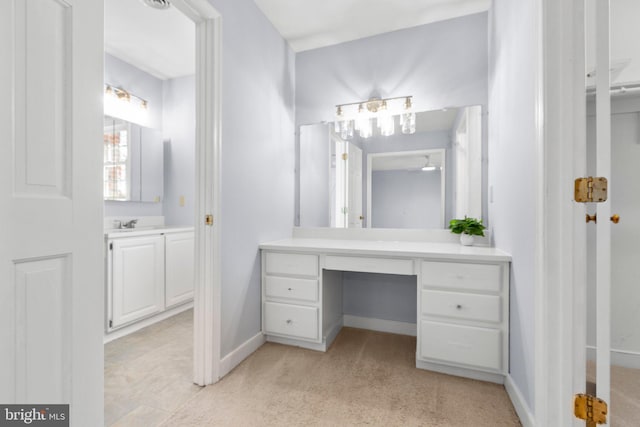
(51, 271)
(599, 242)
(354, 191)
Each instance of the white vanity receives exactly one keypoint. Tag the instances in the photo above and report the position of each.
(149, 272)
(462, 296)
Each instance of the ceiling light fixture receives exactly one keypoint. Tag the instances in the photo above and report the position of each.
(157, 4)
(361, 115)
(428, 167)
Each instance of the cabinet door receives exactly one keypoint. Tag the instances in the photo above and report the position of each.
(179, 267)
(137, 278)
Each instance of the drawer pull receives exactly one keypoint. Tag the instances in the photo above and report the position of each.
(289, 289)
(289, 321)
(459, 307)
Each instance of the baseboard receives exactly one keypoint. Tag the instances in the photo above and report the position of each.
(333, 332)
(129, 329)
(298, 343)
(626, 359)
(520, 405)
(234, 358)
(380, 325)
(458, 371)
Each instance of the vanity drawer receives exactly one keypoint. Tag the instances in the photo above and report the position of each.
(298, 264)
(475, 277)
(369, 265)
(292, 320)
(291, 288)
(480, 347)
(461, 306)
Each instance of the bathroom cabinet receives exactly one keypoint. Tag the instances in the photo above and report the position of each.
(137, 280)
(462, 297)
(179, 273)
(148, 272)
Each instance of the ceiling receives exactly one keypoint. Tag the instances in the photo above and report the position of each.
(160, 42)
(139, 35)
(313, 24)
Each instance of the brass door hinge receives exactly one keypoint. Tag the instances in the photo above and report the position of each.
(587, 190)
(345, 156)
(208, 219)
(590, 409)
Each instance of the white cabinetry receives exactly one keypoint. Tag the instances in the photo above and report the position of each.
(137, 266)
(463, 320)
(292, 305)
(148, 273)
(179, 252)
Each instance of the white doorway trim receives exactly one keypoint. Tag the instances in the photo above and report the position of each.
(560, 282)
(207, 305)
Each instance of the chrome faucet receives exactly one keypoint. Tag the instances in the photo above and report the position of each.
(130, 224)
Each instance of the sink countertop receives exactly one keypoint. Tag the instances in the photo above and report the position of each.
(389, 248)
(116, 233)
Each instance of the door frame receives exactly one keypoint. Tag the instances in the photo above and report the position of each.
(560, 254)
(208, 280)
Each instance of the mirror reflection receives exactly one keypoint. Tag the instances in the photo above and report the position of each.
(418, 181)
(133, 162)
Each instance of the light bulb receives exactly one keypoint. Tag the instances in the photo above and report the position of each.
(408, 123)
(385, 120)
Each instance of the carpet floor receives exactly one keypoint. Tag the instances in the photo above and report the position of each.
(366, 378)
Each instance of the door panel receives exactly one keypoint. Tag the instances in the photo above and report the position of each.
(51, 273)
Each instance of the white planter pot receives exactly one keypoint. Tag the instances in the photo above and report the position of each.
(466, 239)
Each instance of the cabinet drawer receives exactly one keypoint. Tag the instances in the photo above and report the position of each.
(279, 263)
(292, 288)
(476, 277)
(292, 320)
(370, 265)
(473, 346)
(461, 306)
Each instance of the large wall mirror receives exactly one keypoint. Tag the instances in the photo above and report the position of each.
(133, 162)
(417, 181)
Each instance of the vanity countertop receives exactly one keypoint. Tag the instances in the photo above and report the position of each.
(117, 233)
(390, 248)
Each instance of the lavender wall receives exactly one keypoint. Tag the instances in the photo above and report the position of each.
(441, 64)
(406, 199)
(512, 134)
(179, 135)
(257, 158)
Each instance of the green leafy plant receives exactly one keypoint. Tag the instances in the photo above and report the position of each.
(469, 226)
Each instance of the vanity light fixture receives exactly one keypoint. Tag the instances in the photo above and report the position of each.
(123, 104)
(361, 115)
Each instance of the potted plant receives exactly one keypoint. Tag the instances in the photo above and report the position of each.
(467, 228)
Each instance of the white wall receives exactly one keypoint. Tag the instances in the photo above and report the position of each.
(511, 174)
(257, 158)
(179, 135)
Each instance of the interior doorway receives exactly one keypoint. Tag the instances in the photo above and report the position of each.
(188, 114)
